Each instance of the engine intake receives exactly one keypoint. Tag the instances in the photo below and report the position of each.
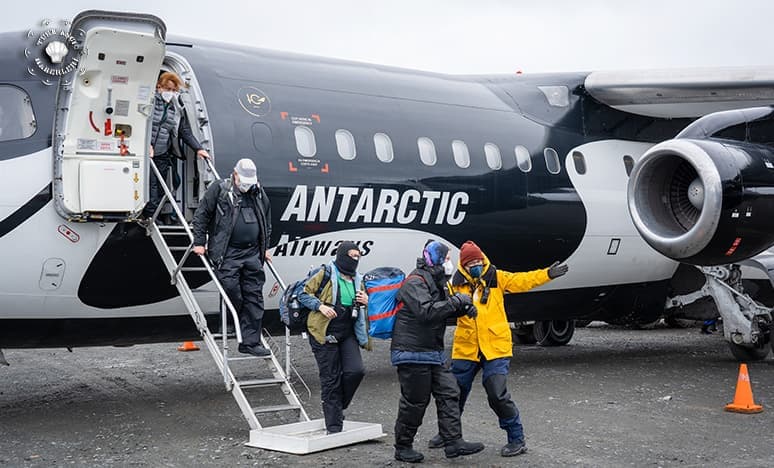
(705, 201)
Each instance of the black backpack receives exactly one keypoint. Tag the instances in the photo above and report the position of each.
(292, 313)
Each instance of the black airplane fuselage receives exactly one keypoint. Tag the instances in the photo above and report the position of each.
(259, 104)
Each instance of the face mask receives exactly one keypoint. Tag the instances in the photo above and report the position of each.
(168, 95)
(475, 271)
(244, 188)
(448, 267)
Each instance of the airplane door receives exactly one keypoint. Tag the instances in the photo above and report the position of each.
(103, 116)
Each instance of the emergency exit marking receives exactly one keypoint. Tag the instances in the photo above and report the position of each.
(612, 249)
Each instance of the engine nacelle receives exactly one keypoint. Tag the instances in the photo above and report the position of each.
(705, 201)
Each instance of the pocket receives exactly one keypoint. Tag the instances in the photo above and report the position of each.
(500, 337)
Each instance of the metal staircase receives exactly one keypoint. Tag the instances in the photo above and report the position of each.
(175, 245)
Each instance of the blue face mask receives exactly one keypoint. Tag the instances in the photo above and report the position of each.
(475, 271)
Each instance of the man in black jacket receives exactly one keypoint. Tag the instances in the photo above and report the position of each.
(417, 350)
(237, 216)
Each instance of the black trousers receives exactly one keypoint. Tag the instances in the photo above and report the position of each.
(417, 383)
(163, 163)
(341, 371)
(242, 277)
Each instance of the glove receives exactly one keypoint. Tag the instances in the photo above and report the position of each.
(557, 269)
(461, 303)
(471, 311)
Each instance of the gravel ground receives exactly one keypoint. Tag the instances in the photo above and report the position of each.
(613, 397)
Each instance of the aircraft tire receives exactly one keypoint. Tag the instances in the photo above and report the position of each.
(743, 353)
(525, 335)
(554, 332)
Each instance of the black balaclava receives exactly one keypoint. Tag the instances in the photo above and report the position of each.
(344, 262)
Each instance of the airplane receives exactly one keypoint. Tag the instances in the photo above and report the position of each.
(653, 186)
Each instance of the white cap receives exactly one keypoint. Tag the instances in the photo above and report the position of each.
(247, 172)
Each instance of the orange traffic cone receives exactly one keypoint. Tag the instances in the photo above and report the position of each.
(743, 400)
(188, 346)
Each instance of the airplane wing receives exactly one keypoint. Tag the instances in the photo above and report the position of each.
(675, 93)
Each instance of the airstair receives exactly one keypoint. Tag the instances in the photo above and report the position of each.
(175, 245)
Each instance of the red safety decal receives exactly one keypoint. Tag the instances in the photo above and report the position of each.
(108, 127)
(316, 117)
(734, 245)
(325, 168)
(284, 115)
(274, 290)
(71, 235)
(291, 168)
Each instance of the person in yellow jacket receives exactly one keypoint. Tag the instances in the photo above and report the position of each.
(484, 342)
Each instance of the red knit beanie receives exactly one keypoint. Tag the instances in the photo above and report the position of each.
(469, 252)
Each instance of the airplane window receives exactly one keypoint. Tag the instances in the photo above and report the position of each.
(523, 159)
(580, 162)
(628, 164)
(305, 143)
(493, 158)
(461, 153)
(552, 160)
(17, 120)
(427, 151)
(345, 143)
(383, 146)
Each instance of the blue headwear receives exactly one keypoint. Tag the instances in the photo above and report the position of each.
(435, 253)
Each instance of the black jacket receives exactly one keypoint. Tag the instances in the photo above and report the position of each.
(216, 216)
(421, 324)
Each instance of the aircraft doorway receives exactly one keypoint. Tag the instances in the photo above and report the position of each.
(189, 175)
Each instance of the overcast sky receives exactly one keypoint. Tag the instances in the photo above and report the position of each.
(474, 36)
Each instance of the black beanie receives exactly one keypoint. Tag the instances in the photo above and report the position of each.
(344, 262)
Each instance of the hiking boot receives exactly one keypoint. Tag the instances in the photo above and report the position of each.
(255, 350)
(408, 454)
(461, 448)
(435, 442)
(511, 449)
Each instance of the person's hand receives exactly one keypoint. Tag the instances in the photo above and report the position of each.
(151, 152)
(203, 154)
(471, 311)
(460, 302)
(557, 269)
(361, 297)
(267, 256)
(327, 311)
(198, 250)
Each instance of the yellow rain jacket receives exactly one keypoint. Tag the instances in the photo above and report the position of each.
(489, 333)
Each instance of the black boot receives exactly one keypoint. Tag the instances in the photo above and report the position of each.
(435, 442)
(408, 454)
(511, 449)
(460, 448)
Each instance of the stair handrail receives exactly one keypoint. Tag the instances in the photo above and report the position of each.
(207, 265)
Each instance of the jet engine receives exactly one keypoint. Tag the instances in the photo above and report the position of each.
(707, 196)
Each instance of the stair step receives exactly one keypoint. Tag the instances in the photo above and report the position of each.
(275, 409)
(248, 358)
(174, 249)
(257, 383)
(193, 269)
(164, 227)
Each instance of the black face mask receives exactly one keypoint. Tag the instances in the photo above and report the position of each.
(346, 265)
(344, 262)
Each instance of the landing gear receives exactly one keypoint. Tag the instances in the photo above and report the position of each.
(554, 332)
(746, 324)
